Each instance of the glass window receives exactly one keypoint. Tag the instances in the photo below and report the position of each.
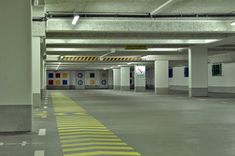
(186, 72)
(170, 73)
(92, 75)
(217, 70)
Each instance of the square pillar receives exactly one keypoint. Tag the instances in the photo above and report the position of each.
(36, 71)
(140, 78)
(198, 72)
(125, 78)
(110, 79)
(15, 65)
(116, 79)
(161, 68)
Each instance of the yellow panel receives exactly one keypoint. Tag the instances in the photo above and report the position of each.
(57, 82)
(92, 82)
(64, 75)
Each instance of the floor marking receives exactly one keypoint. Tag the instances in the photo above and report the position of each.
(42, 132)
(84, 130)
(1, 143)
(98, 148)
(88, 136)
(104, 153)
(94, 143)
(39, 153)
(83, 135)
(45, 107)
(92, 139)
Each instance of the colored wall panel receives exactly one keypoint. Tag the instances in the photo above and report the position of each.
(51, 75)
(65, 75)
(57, 82)
(57, 75)
(65, 82)
(51, 82)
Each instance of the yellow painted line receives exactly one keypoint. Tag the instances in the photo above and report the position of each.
(93, 143)
(98, 148)
(86, 130)
(70, 127)
(90, 139)
(78, 127)
(88, 136)
(81, 127)
(104, 153)
(78, 122)
(85, 133)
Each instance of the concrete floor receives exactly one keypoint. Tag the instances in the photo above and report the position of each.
(170, 125)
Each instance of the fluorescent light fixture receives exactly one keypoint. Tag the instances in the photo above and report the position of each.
(58, 66)
(75, 19)
(130, 63)
(165, 49)
(119, 65)
(233, 23)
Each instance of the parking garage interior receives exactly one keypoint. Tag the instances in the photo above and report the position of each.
(128, 78)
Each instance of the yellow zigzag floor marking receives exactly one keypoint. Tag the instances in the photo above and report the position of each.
(83, 135)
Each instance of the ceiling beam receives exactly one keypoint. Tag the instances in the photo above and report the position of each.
(140, 26)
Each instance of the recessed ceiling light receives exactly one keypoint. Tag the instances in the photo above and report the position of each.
(233, 23)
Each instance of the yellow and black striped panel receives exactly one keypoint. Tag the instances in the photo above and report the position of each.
(95, 58)
(83, 135)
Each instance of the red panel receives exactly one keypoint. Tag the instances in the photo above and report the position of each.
(57, 75)
(51, 82)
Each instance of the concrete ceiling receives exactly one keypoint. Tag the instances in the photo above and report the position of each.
(142, 6)
(98, 36)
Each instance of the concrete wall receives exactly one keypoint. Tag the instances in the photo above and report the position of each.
(224, 83)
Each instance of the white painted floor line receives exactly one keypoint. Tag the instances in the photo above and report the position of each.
(1, 143)
(42, 132)
(45, 107)
(39, 153)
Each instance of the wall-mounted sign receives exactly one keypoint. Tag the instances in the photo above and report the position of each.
(80, 75)
(103, 82)
(80, 82)
(140, 71)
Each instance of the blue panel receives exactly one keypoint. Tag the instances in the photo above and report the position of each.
(51, 75)
(65, 82)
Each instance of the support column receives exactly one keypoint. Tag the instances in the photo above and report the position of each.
(43, 49)
(125, 78)
(15, 66)
(198, 72)
(140, 78)
(116, 79)
(161, 76)
(36, 70)
(110, 79)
